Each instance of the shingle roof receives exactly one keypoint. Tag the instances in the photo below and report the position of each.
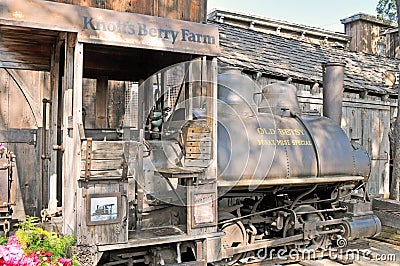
(288, 57)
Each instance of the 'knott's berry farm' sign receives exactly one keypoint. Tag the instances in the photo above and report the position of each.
(108, 27)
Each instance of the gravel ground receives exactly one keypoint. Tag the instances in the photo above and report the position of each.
(379, 253)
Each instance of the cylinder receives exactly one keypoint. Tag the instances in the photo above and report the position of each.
(360, 227)
(333, 75)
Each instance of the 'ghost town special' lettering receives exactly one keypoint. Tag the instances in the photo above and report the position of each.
(142, 30)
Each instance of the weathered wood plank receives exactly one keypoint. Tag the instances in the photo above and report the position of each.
(105, 150)
(18, 136)
(206, 150)
(197, 163)
(388, 219)
(27, 65)
(201, 156)
(385, 204)
(199, 136)
(106, 155)
(198, 144)
(103, 164)
(192, 130)
(23, 56)
(105, 146)
(103, 174)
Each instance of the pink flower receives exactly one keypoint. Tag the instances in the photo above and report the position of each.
(31, 260)
(2, 148)
(13, 241)
(65, 261)
(2, 251)
(12, 254)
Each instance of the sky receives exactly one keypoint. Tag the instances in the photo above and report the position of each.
(325, 14)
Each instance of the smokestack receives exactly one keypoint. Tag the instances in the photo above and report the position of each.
(333, 73)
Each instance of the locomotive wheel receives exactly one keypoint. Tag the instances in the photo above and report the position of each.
(289, 229)
(235, 236)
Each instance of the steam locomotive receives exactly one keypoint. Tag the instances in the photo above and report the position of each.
(297, 171)
(199, 188)
(284, 179)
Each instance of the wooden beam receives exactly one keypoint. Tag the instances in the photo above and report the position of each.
(80, 203)
(101, 102)
(71, 140)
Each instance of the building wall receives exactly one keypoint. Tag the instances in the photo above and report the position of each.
(368, 34)
(364, 36)
(392, 44)
(21, 127)
(190, 10)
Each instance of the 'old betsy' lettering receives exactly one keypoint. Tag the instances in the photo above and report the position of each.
(143, 30)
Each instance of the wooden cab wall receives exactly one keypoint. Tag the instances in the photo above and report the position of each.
(189, 10)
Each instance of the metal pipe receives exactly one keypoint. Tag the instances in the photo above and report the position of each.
(45, 157)
(140, 184)
(45, 154)
(333, 76)
(320, 211)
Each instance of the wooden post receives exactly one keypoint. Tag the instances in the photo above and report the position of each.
(211, 93)
(71, 139)
(395, 137)
(188, 91)
(77, 122)
(101, 102)
(54, 76)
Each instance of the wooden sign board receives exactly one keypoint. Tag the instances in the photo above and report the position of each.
(108, 27)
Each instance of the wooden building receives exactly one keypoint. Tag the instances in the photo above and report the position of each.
(188, 10)
(65, 71)
(370, 93)
(367, 33)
